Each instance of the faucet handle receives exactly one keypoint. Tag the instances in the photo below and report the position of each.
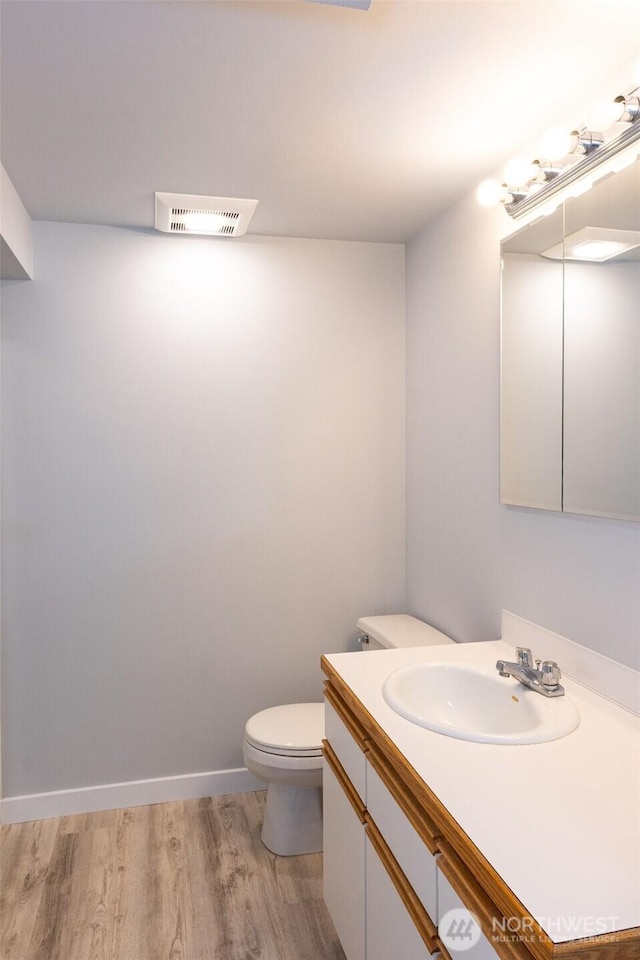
(524, 656)
(550, 673)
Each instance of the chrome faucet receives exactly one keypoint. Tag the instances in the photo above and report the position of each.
(543, 676)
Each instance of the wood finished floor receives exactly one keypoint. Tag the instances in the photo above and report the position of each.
(173, 881)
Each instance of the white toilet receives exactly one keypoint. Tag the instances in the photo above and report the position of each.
(283, 746)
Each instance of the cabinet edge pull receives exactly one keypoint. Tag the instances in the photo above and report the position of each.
(421, 919)
(350, 722)
(475, 899)
(341, 776)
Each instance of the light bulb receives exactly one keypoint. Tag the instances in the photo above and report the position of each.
(519, 172)
(204, 222)
(489, 193)
(597, 250)
(603, 114)
(555, 144)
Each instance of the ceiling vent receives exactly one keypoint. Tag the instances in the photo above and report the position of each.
(212, 216)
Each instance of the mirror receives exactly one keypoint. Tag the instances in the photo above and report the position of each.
(570, 356)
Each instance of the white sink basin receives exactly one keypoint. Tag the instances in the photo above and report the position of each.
(473, 702)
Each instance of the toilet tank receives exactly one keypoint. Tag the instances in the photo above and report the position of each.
(398, 630)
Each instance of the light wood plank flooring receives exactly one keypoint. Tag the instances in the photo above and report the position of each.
(173, 881)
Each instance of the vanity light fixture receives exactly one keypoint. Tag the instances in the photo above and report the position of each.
(594, 244)
(519, 171)
(584, 142)
(570, 163)
(544, 171)
(604, 113)
(209, 216)
(490, 193)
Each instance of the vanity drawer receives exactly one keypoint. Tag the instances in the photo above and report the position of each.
(448, 900)
(458, 888)
(397, 926)
(347, 741)
(414, 849)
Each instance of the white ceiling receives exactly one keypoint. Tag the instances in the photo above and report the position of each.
(343, 123)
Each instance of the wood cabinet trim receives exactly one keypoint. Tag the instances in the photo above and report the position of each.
(341, 776)
(619, 945)
(477, 900)
(422, 921)
(444, 953)
(622, 945)
(424, 827)
(350, 721)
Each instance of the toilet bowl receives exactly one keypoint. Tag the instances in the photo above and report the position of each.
(283, 746)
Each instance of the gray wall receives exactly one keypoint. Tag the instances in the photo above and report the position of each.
(468, 557)
(203, 488)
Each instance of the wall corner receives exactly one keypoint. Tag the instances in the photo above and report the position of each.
(16, 237)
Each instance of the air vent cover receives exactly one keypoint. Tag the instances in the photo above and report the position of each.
(213, 216)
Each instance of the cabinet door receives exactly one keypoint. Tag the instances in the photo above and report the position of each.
(347, 748)
(414, 858)
(531, 381)
(390, 933)
(343, 857)
(453, 926)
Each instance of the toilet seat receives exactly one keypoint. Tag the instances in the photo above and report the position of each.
(279, 765)
(290, 730)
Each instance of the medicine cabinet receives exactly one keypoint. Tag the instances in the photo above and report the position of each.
(570, 355)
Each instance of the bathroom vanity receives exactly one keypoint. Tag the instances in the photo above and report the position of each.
(541, 842)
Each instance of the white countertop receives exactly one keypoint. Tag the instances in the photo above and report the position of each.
(558, 821)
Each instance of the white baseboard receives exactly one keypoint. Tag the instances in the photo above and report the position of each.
(134, 793)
